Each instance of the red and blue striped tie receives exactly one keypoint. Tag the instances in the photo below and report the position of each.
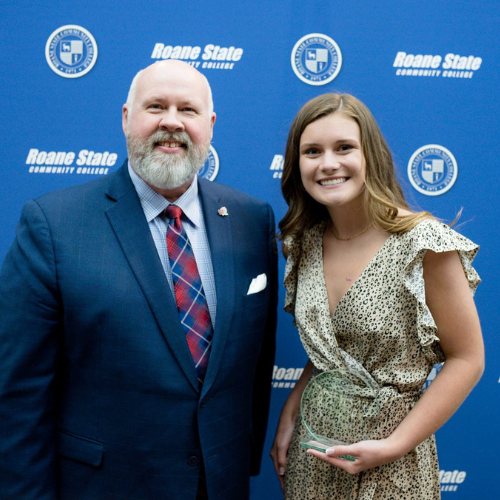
(189, 294)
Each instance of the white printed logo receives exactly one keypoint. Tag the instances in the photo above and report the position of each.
(277, 166)
(213, 56)
(316, 59)
(428, 65)
(61, 162)
(71, 51)
(285, 378)
(451, 479)
(210, 168)
(432, 170)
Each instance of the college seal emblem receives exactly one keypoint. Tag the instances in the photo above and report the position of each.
(316, 59)
(210, 168)
(432, 170)
(71, 51)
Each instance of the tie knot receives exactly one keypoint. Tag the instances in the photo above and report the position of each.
(173, 212)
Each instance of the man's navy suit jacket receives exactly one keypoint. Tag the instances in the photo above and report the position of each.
(99, 397)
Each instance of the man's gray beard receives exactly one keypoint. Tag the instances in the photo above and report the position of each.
(163, 170)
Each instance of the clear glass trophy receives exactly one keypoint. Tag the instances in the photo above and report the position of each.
(333, 408)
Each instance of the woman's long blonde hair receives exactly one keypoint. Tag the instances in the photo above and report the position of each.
(383, 194)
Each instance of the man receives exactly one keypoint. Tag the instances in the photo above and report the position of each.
(111, 387)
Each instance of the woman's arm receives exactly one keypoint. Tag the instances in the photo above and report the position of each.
(286, 423)
(451, 304)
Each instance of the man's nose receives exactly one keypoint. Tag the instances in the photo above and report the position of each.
(170, 121)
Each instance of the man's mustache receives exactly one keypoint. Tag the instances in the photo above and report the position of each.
(181, 137)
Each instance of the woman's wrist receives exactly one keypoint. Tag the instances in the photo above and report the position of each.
(291, 408)
(397, 447)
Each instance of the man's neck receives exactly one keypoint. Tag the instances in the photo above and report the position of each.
(172, 195)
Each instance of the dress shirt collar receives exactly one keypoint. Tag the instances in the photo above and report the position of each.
(154, 204)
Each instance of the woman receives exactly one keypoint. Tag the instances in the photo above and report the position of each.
(371, 283)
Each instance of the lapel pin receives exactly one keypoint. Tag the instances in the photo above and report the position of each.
(222, 212)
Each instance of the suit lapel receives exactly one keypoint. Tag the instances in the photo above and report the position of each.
(222, 252)
(129, 224)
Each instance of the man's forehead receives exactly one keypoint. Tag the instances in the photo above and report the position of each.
(182, 74)
(162, 82)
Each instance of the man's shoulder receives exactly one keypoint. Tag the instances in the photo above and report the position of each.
(230, 193)
(78, 193)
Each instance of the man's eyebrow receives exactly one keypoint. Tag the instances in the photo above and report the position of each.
(153, 98)
(158, 98)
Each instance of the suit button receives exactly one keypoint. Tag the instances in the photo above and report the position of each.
(193, 461)
(204, 402)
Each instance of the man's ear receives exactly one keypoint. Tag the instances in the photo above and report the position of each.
(212, 123)
(124, 119)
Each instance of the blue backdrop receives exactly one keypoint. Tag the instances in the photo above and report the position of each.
(428, 70)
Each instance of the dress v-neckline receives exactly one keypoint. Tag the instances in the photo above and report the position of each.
(355, 282)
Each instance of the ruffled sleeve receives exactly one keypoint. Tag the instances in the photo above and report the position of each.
(291, 272)
(438, 237)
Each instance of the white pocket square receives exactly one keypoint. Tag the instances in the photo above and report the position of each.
(257, 284)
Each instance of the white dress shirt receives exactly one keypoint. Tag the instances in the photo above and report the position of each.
(193, 221)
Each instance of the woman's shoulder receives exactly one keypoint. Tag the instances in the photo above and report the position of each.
(297, 242)
(434, 235)
(429, 227)
(295, 248)
(431, 234)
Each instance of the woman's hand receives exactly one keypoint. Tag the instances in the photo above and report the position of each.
(367, 454)
(282, 440)
(286, 425)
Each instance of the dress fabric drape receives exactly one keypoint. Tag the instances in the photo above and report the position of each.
(383, 323)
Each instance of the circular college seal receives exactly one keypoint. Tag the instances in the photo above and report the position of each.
(316, 59)
(432, 170)
(210, 169)
(71, 51)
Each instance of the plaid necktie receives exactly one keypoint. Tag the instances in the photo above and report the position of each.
(189, 294)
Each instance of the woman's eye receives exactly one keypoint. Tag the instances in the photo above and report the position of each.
(345, 147)
(311, 151)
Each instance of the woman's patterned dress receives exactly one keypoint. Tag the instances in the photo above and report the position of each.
(383, 323)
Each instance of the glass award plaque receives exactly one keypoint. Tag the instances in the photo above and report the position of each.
(333, 408)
